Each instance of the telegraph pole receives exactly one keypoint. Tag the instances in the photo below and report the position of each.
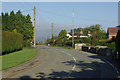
(34, 27)
(47, 36)
(52, 30)
(73, 31)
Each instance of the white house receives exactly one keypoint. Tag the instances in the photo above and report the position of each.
(75, 35)
(69, 36)
(83, 36)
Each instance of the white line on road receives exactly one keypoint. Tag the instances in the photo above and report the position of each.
(74, 67)
(111, 65)
(73, 59)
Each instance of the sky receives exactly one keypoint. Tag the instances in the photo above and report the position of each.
(60, 14)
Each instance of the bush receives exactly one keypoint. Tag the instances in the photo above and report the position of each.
(69, 43)
(85, 40)
(110, 45)
(26, 43)
(11, 41)
(118, 42)
(50, 41)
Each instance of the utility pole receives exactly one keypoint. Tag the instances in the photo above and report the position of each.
(34, 27)
(52, 30)
(47, 36)
(73, 31)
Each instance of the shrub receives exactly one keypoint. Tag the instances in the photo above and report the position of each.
(11, 41)
(85, 40)
(26, 43)
(118, 41)
(50, 41)
(69, 43)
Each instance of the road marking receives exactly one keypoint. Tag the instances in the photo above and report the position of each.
(73, 67)
(108, 63)
(111, 65)
(74, 61)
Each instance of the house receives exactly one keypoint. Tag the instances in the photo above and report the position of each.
(89, 34)
(78, 34)
(112, 32)
(69, 35)
(55, 37)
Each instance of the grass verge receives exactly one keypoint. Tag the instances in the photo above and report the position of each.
(16, 58)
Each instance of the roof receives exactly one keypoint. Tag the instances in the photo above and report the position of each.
(55, 37)
(112, 30)
(77, 34)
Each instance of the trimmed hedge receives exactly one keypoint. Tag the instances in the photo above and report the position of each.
(11, 41)
(118, 41)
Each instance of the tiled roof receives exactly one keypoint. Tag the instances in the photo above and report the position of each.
(112, 30)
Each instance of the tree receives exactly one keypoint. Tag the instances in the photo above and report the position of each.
(12, 20)
(62, 38)
(118, 41)
(28, 30)
(18, 23)
(5, 22)
(96, 31)
(92, 29)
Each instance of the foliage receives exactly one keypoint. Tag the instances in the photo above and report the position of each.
(68, 43)
(96, 31)
(62, 38)
(118, 41)
(49, 41)
(18, 23)
(16, 58)
(110, 45)
(85, 40)
(11, 41)
(92, 29)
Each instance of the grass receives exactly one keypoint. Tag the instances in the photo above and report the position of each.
(16, 58)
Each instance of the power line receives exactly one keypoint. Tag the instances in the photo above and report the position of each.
(75, 17)
(28, 10)
(44, 11)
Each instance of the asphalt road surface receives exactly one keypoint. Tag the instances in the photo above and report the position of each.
(69, 63)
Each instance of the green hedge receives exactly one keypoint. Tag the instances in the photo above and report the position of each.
(118, 41)
(11, 41)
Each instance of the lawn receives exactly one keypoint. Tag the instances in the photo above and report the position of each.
(16, 58)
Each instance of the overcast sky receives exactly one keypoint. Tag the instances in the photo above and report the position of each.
(60, 13)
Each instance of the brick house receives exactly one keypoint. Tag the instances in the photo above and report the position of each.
(112, 32)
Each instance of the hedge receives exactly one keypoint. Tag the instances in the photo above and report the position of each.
(118, 41)
(11, 41)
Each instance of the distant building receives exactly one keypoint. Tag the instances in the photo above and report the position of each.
(69, 35)
(79, 34)
(112, 32)
(89, 33)
(55, 37)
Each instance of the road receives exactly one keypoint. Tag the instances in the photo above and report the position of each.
(69, 63)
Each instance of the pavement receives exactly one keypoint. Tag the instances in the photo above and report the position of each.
(55, 62)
